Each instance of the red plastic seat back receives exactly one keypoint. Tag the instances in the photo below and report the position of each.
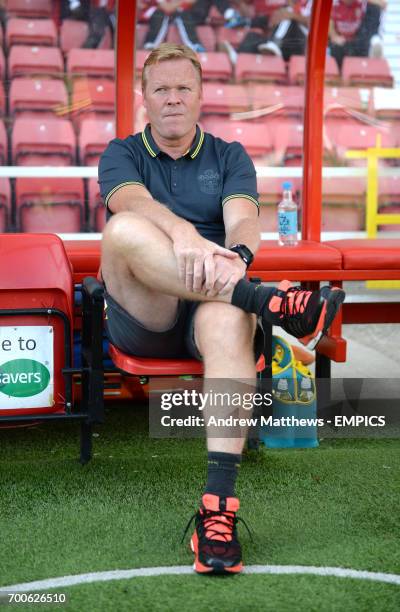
(35, 273)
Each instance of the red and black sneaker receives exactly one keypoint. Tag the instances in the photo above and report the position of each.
(306, 315)
(214, 542)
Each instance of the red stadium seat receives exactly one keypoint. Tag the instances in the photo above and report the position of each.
(73, 34)
(342, 135)
(97, 209)
(297, 70)
(255, 137)
(29, 8)
(94, 136)
(277, 99)
(5, 203)
(140, 34)
(49, 204)
(338, 101)
(204, 32)
(44, 95)
(94, 95)
(366, 71)
(24, 60)
(49, 142)
(234, 35)
(2, 99)
(287, 137)
(31, 32)
(214, 17)
(224, 98)
(215, 66)
(263, 68)
(3, 145)
(91, 62)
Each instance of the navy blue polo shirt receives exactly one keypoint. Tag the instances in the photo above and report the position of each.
(195, 187)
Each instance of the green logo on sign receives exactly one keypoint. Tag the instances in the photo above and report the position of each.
(23, 377)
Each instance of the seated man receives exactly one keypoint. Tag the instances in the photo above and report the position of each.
(182, 231)
(284, 33)
(346, 34)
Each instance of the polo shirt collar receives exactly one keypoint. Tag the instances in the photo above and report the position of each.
(154, 150)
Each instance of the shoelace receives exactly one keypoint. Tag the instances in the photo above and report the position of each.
(211, 517)
(290, 304)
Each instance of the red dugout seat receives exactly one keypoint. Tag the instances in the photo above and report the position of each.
(366, 71)
(44, 95)
(94, 136)
(5, 203)
(91, 62)
(49, 204)
(24, 60)
(97, 209)
(263, 68)
(255, 137)
(297, 70)
(49, 142)
(31, 32)
(215, 66)
(224, 98)
(29, 8)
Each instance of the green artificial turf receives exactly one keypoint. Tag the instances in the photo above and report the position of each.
(337, 505)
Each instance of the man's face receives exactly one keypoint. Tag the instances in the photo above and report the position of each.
(172, 98)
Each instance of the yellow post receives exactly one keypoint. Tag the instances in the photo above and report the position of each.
(373, 217)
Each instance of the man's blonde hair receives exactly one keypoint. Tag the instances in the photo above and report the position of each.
(171, 51)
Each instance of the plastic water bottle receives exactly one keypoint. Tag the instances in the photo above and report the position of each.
(287, 217)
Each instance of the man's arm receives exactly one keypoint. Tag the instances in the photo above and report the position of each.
(242, 226)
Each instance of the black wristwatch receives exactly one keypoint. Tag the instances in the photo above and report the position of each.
(244, 252)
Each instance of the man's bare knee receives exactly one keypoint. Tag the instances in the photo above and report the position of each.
(223, 328)
(125, 230)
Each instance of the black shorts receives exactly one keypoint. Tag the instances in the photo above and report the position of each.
(126, 333)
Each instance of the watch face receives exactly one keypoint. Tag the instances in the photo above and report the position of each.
(244, 252)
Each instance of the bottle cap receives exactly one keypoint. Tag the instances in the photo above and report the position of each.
(287, 186)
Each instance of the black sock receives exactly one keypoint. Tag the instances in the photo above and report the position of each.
(222, 473)
(253, 297)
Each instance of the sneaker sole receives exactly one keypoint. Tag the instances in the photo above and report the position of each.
(218, 569)
(333, 301)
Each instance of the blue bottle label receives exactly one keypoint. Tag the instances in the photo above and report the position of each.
(287, 222)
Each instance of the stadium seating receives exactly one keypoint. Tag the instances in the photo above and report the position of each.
(204, 32)
(215, 66)
(3, 144)
(224, 98)
(263, 68)
(338, 101)
(31, 32)
(29, 8)
(140, 35)
(2, 99)
(38, 95)
(38, 61)
(48, 142)
(73, 34)
(254, 136)
(366, 71)
(297, 70)
(277, 99)
(97, 210)
(91, 62)
(94, 136)
(342, 135)
(5, 204)
(2, 64)
(95, 95)
(49, 204)
(287, 137)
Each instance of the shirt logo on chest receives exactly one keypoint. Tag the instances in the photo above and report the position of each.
(209, 181)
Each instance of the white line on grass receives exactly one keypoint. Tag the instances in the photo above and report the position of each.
(63, 581)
